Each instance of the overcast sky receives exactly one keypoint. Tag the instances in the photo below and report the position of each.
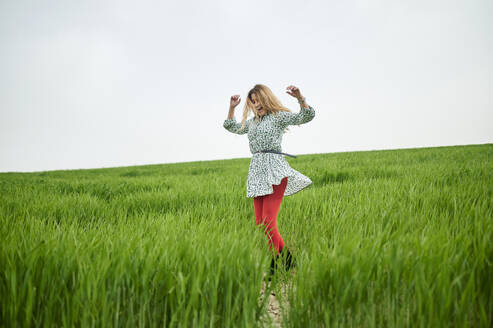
(90, 84)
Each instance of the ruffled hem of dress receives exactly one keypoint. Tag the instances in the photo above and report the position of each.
(278, 169)
(277, 181)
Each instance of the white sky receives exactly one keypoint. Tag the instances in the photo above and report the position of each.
(88, 84)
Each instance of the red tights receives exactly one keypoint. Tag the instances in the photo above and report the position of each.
(266, 209)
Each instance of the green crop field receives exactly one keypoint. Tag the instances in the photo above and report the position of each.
(390, 238)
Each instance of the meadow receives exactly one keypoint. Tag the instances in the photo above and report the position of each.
(388, 238)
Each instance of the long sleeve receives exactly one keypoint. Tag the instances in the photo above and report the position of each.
(305, 115)
(232, 126)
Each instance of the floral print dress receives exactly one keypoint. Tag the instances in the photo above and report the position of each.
(267, 169)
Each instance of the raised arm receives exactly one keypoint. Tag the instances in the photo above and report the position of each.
(305, 115)
(232, 126)
(230, 123)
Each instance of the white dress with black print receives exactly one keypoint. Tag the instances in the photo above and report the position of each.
(267, 169)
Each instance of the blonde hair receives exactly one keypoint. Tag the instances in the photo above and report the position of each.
(267, 100)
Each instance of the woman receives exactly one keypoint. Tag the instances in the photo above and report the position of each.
(270, 177)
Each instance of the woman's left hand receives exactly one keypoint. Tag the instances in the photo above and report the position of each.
(294, 91)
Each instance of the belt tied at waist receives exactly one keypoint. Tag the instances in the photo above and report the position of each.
(273, 151)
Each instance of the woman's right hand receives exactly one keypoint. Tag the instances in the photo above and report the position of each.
(235, 100)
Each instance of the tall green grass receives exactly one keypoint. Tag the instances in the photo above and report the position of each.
(393, 238)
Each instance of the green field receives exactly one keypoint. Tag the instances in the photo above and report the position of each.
(391, 238)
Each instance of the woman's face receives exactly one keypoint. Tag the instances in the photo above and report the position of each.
(261, 111)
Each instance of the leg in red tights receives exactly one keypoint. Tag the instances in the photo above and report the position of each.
(266, 209)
